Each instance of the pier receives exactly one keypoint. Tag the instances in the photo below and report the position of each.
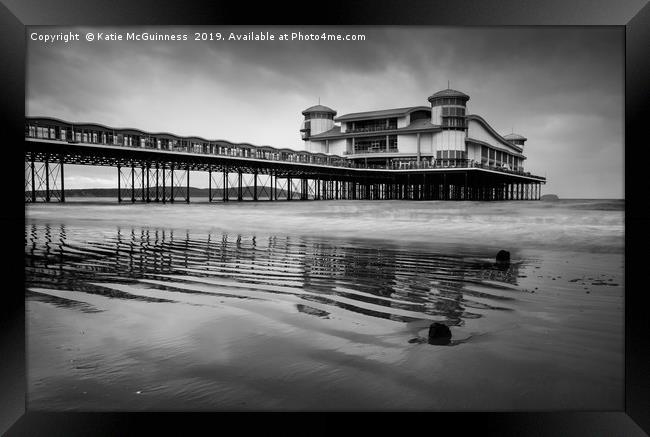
(156, 167)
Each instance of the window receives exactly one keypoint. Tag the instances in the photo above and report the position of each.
(62, 134)
(453, 111)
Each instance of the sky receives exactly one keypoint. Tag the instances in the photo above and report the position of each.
(560, 87)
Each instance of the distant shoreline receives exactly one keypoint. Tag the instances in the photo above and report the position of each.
(216, 192)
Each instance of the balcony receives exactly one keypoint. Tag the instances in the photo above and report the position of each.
(370, 129)
(371, 150)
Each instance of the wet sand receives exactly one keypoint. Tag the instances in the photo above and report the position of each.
(324, 306)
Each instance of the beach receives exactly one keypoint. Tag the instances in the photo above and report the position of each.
(324, 305)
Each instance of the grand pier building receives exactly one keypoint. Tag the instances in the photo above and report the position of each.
(435, 152)
(441, 134)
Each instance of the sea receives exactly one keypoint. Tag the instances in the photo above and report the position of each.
(324, 305)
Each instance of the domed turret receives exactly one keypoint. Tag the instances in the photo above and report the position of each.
(318, 119)
(448, 109)
(448, 93)
(515, 139)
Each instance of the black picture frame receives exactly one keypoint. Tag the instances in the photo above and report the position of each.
(634, 15)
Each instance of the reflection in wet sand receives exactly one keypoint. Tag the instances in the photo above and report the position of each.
(385, 283)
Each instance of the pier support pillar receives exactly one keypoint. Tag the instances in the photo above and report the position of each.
(47, 180)
(288, 187)
(187, 198)
(225, 185)
(275, 186)
(62, 179)
(445, 187)
(132, 183)
(119, 184)
(171, 185)
(33, 171)
(210, 185)
(255, 186)
(164, 188)
(157, 199)
(144, 184)
(240, 196)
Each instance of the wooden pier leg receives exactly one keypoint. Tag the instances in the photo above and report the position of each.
(255, 186)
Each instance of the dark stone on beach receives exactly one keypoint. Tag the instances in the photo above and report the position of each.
(439, 334)
(503, 256)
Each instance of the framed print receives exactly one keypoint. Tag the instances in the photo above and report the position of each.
(437, 211)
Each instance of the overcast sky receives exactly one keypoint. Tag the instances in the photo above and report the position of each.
(562, 88)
